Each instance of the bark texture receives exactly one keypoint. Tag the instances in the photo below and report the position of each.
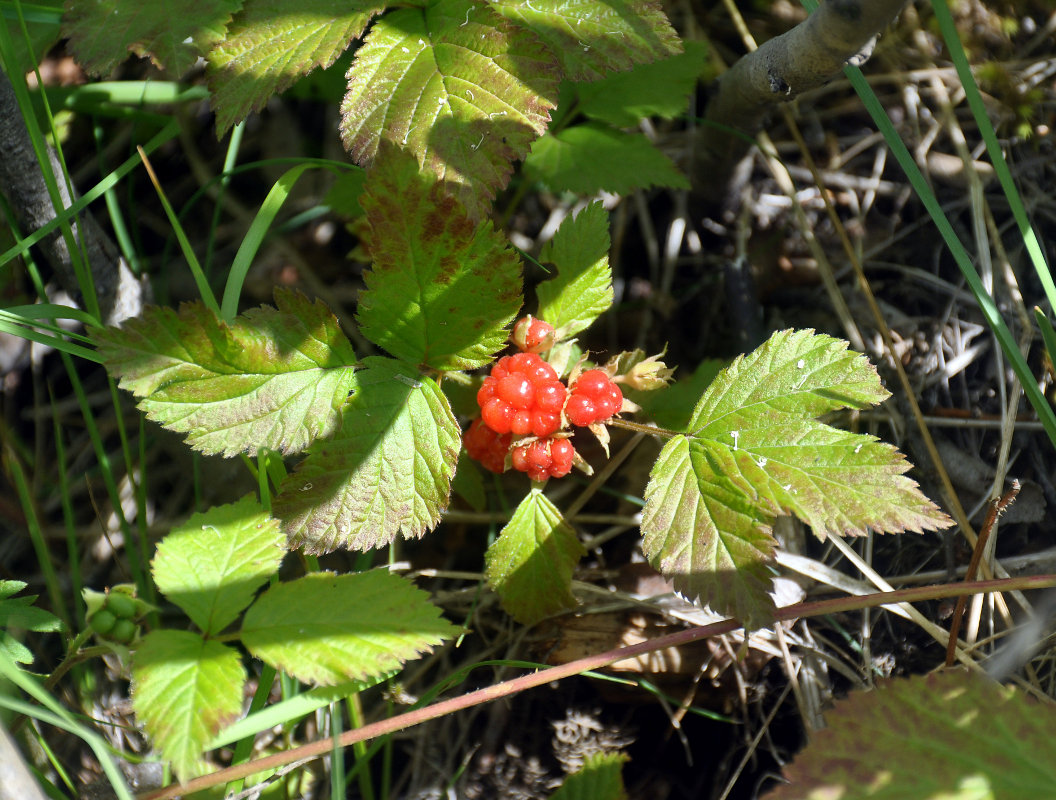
(804, 58)
(120, 294)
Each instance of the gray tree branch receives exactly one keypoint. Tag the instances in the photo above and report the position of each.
(120, 293)
(804, 58)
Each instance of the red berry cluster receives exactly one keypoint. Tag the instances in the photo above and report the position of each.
(523, 397)
(594, 398)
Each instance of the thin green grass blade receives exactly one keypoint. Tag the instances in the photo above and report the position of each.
(13, 468)
(993, 148)
(200, 279)
(54, 714)
(50, 340)
(234, 144)
(269, 209)
(1048, 335)
(964, 261)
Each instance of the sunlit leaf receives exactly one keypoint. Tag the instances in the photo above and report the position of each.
(753, 450)
(386, 471)
(530, 565)
(184, 690)
(275, 378)
(582, 289)
(213, 564)
(458, 86)
(326, 629)
(442, 288)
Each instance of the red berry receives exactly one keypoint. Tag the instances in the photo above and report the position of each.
(501, 368)
(580, 410)
(516, 390)
(592, 383)
(541, 372)
(533, 335)
(610, 402)
(550, 396)
(544, 424)
(486, 391)
(486, 446)
(561, 454)
(539, 454)
(519, 459)
(497, 415)
(538, 475)
(521, 423)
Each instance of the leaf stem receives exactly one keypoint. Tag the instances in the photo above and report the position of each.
(541, 678)
(639, 427)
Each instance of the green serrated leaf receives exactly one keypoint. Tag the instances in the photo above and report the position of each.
(11, 587)
(184, 690)
(592, 39)
(754, 452)
(272, 43)
(325, 628)
(275, 378)
(458, 86)
(20, 615)
(702, 532)
(213, 564)
(42, 32)
(582, 289)
(530, 565)
(657, 89)
(593, 157)
(173, 34)
(386, 471)
(442, 288)
(953, 735)
(600, 778)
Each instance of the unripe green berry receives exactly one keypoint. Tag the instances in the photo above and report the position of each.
(102, 622)
(121, 605)
(124, 632)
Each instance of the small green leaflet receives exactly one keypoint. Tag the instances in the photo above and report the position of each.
(273, 43)
(599, 779)
(19, 614)
(173, 34)
(325, 629)
(386, 471)
(754, 451)
(213, 564)
(275, 378)
(656, 89)
(530, 565)
(955, 735)
(582, 290)
(184, 690)
(594, 38)
(594, 157)
(442, 288)
(458, 86)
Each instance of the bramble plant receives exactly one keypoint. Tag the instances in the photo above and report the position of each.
(443, 97)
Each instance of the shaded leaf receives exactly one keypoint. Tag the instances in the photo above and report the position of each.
(459, 87)
(275, 378)
(272, 43)
(600, 778)
(530, 565)
(672, 407)
(386, 471)
(582, 289)
(325, 628)
(656, 89)
(442, 288)
(213, 564)
(753, 452)
(18, 615)
(592, 38)
(184, 690)
(593, 157)
(953, 735)
(173, 34)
